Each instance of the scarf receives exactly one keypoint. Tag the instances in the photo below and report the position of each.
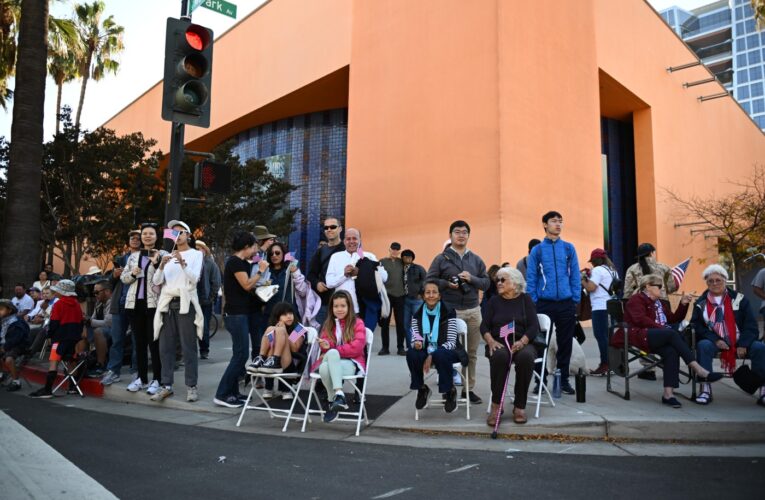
(723, 323)
(338, 332)
(661, 317)
(431, 333)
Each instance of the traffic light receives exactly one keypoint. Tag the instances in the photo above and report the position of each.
(212, 177)
(188, 73)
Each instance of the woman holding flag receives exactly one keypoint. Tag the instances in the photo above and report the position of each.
(434, 340)
(293, 288)
(510, 320)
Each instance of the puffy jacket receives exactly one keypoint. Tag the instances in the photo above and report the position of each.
(742, 311)
(66, 320)
(17, 334)
(553, 272)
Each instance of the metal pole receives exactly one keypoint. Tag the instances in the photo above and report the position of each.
(173, 186)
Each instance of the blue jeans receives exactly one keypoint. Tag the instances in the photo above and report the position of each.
(120, 324)
(369, 310)
(238, 326)
(707, 350)
(600, 330)
(442, 361)
(204, 344)
(410, 307)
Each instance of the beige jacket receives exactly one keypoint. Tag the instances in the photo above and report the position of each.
(152, 293)
(634, 273)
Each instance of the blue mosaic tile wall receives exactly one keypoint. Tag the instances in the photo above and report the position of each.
(311, 151)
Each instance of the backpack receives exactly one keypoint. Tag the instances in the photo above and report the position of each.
(366, 284)
(616, 287)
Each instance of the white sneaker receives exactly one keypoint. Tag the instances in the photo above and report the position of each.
(152, 388)
(191, 394)
(287, 396)
(271, 394)
(135, 386)
(162, 394)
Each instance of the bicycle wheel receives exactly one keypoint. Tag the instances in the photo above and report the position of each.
(213, 325)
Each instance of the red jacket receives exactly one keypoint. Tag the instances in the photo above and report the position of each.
(66, 320)
(640, 315)
(353, 350)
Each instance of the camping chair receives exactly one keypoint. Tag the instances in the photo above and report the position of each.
(619, 358)
(347, 415)
(462, 333)
(79, 359)
(287, 379)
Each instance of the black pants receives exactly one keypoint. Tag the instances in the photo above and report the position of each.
(397, 310)
(498, 372)
(142, 324)
(668, 344)
(563, 316)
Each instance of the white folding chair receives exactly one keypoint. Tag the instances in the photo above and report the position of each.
(462, 333)
(344, 416)
(547, 327)
(286, 379)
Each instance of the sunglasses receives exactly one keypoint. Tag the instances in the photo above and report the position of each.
(502, 280)
(275, 253)
(715, 281)
(332, 226)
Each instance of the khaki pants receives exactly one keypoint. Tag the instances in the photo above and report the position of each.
(473, 319)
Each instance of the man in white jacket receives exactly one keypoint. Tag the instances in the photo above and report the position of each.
(179, 316)
(353, 270)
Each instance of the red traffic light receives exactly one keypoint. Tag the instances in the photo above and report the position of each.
(212, 177)
(197, 37)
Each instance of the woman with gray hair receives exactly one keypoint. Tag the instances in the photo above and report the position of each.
(510, 312)
(649, 317)
(725, 323)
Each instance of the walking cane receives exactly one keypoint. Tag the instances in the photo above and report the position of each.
(504, 390)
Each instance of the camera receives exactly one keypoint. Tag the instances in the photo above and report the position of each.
(462, 284)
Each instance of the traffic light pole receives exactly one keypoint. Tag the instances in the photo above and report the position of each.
(173, 186)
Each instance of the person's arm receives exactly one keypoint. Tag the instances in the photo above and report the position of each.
(700, 326)
(747, 324)
(481, 280)
(434, 272)
(215, 280)
(678, 315)
(451, 332)
(574, 278)
(314, 269)
(638, 314)
(532, 273)
(336, 271)
(593, 282)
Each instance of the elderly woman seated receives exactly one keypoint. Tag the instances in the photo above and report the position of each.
(725, 323)
(511, 312)
(649, 318)
(434, 340)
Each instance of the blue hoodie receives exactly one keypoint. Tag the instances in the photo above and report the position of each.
(553, 272)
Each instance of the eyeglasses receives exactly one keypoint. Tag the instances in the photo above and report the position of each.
(276, 253)
(98, 291)
(657, 285)
(462, 232)
(715, 281)
(331, 226)
(502, 280)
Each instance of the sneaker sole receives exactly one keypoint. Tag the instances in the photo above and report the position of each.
(45, 396)
(158, 398)
(272, 371)
(253, 370)
(225, 404)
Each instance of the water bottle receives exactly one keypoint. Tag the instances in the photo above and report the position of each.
(556, 384)
(581, 386)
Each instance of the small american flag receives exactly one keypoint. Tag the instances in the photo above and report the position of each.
(360, 252)
(678, 272)
(290, 257)
(171, 234)
(256, 258)
(298, 332)
(507, 330)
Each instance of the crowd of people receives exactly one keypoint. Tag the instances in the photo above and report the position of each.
(165, 295)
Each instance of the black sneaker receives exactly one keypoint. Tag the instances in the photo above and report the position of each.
(422, 397)
(383, 352)
(271, 365)
(96, 372)
(14, 386)
(648, 375)
(42, 393)
(401, 351)
(256, 365)
(474, 399)
(451, 400)
(204, 355)
(330, 416)
(567, 389)
(229, 402)
(339, 403)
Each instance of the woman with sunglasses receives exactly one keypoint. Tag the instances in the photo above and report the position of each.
(649, 317)
(140, 306)
(293, 287)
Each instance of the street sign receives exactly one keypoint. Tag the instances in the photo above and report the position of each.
(221, 7)
(194, 4)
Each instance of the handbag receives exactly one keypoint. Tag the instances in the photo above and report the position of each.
(579, 333)
(584, 308)
(383, 294)
(265, 293)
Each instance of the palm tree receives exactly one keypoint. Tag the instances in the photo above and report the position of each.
(21, 229)
(64, 49)
(10, 11)
(102, 42)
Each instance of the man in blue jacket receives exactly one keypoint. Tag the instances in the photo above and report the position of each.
(554, 284)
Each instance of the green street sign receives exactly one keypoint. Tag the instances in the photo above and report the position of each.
(195, 4)
(221, 7)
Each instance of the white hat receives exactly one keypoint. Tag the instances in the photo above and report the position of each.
(174, 223)
(201, 243)
(93, 270)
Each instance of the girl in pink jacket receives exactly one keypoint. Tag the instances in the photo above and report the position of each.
(342, 342)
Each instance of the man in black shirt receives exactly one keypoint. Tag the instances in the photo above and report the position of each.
(317, 267)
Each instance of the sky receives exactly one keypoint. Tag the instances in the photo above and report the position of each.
(141, 63)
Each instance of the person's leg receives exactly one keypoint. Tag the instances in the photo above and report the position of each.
(397, 311)
(116, 351)
(565, 322)
(238, 327)
(99, 339)
(410, 307)
(371, 312)
(156, 359)
(284, 353)
(187, 333)
(498, 368)
(443, 359)
(326, 379)
(384, 330)
(168, 337)
(524, 368)
(472, 318)
(204, 343)
(756, 353)
(671, 363)
(706, 350)
(415, 360)
(141, 342)
(600, 331)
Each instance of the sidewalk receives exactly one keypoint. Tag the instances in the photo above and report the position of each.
(732, 417)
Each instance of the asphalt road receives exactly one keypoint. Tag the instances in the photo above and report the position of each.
(137, 458)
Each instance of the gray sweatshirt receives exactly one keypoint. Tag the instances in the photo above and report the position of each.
(448, 264)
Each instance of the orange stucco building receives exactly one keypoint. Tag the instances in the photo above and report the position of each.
(492, 111)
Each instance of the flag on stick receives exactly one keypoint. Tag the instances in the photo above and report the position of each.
(678, 272)
(298, 332)
(507, 330)
(290, 257)
(171, 234)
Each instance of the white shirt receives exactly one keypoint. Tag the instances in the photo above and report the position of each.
(601, 275)
(337, 279)
(176, 277)
(25, 303)
(38, 309)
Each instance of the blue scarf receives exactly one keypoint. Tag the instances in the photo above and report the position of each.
(431, 333)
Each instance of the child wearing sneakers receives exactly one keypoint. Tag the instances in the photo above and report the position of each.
(14, 333)
(280, 350)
